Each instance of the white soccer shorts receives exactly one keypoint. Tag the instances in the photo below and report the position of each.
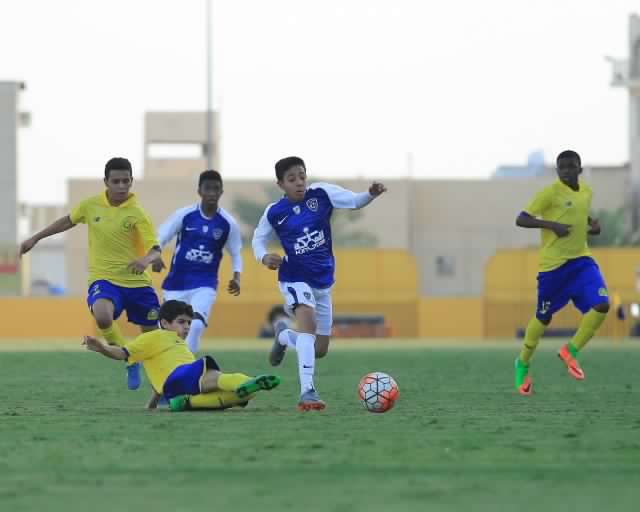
(201, 299)
(317, 298)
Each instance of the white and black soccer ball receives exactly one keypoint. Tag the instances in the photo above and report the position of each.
(378, 392)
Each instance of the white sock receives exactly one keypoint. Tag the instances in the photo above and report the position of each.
(288, 337)
(306, 348)
(193, 338)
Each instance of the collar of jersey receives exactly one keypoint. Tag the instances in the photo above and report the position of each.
(204, 216)
(580, 185)
(130, 200)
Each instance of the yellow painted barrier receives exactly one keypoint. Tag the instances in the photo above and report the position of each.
(451, 317)
(511, 290)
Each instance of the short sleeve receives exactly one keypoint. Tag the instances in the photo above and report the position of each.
(79, 213)
(139, 349)
(146, 230)
(540, 203)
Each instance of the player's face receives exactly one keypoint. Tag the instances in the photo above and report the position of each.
(568, 170)
(180, 325)
(210, 192)
(294, 183)
(118, 185)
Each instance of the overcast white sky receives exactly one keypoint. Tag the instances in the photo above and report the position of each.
(352, 86)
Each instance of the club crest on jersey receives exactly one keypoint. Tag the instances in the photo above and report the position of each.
(205, 228)
(128, 223)
(296, 210)
(312, 204)
(307, 295)
(217, 233)
(153, 314)
(603, 292)
(568, 204)
(97, 219)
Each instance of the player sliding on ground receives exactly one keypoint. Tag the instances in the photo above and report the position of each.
(567, 271)
(173, 370)
(301, 220)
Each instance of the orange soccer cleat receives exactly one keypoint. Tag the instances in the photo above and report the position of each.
(571, 362)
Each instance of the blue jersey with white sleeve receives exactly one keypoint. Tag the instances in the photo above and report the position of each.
(199, 244)
(304, 231)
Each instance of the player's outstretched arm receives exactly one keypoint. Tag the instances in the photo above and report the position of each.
(524, 220)
(233, 246)
(347, 199)
(59, 226)
(95, 345)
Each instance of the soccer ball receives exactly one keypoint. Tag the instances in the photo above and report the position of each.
(378, 392)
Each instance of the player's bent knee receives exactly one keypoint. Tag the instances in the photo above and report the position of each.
(602, 308)
(103, 321)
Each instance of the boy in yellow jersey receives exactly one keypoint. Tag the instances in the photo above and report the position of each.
(122, 244)
(567, 271)
(175, 373)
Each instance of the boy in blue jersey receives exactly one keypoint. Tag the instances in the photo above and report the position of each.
(567, 272)
(202, 230)
(301, 220)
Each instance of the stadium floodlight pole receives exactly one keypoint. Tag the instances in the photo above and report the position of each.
(209, 68)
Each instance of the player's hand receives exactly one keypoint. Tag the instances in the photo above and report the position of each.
(272, 261)
(594, 227)
(561, 230)
(234, 287)
(27, 245)
(93, 344)
(376, 189)
(138, 266)
(158, 265)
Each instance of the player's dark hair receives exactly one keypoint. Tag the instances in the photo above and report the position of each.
(209, 175)
(117, 164)
(172, 309)
(283, 165)
(569, 154)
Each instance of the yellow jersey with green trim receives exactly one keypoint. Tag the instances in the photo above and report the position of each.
(117, 236)
(560, 203)
(160, 352)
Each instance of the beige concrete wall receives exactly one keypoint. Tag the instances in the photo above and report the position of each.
(459, 222)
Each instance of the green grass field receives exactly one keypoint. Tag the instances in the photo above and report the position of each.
(74, 439)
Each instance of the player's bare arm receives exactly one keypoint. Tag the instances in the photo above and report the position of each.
(234, 284)
(154, 400)
(59, 226)
(594, 226)
(138, 266)
(112, 352)
(525, 220)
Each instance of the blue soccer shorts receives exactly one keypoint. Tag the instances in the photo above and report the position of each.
(185, 379)
(579, 280)
(141, 304)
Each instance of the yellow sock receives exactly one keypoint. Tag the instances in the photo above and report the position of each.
(535, 330)
(216, 400)
(230, 381)
(590, 323)
(112, 335)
